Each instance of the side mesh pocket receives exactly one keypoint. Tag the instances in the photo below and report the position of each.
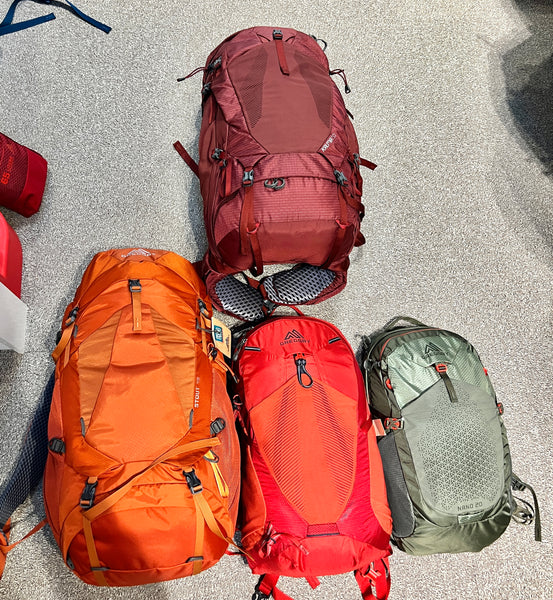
(403, 518)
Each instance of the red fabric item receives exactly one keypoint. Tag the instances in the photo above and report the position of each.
(11, 258)
(22, 177)
(270, 107)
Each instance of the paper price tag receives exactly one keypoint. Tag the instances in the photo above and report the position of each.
(221, 336)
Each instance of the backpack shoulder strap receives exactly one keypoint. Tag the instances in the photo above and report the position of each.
(8, 26)
(27, 472)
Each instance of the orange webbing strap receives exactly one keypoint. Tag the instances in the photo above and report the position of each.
(95, 565)
(63, 344)
(108, 502)
(187, 158)
(135, 288)
(198, 544)
(283, 63)
(5, 546)
(375, 582)
(202, 506)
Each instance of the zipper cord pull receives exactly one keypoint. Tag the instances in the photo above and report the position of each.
(194, 72)
(340, 72)
(300, 361)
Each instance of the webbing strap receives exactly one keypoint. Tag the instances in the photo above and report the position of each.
(91, 514)
(375, 582)
(5, 546)
(187, 158)
(283, 63)
(198, 544)
(342, 224)
(95, 565)
(7, 25)
(248, 226)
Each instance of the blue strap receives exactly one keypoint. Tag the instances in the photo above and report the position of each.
(7, 25)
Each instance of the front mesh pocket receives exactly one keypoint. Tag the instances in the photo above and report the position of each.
(308, 440)
(401, 507)
(457, 449)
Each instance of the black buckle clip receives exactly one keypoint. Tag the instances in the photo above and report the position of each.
(277, 34)
(194, 484)
(88, 495)
(135, 285)
(247, 180)
(340, 177)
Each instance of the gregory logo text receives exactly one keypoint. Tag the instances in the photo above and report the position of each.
(293, 336)
(326, 145)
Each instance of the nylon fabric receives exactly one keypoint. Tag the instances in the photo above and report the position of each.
(313, 502)
(141, 524)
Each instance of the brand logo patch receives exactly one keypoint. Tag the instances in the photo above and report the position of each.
(433, 349)
(294, 336)
(326, 145)
(137, 252)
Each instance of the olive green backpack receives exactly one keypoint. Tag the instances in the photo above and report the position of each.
(443, 442)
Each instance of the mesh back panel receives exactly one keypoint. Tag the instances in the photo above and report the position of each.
(398, 497)
(298, 285)
(239, 298)
(457, 448)
(32, 459)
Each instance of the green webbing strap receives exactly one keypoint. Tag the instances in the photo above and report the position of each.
(527, 516)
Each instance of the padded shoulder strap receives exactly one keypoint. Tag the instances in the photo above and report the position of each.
(302, 284)
(27, 472)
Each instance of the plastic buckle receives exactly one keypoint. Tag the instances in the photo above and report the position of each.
(135, 285)
(500, 408)
(340, 177)
(194, 484)
(88, 495)
(72, 316)
(217, 426)
(217, 154)
(277, 34)
(57, 445)
(393, 424)
(247, 180)
(441, 368)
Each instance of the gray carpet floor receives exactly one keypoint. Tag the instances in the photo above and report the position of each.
(454, 103)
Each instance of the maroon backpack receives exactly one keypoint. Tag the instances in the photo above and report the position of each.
(279, 172)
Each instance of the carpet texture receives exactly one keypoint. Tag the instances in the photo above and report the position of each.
(453, 101)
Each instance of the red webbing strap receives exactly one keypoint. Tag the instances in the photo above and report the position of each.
(375, 582)
(266, 586)
(367, 163)
(249, 227)
(283, 63)
(342, 224)
(187, 158)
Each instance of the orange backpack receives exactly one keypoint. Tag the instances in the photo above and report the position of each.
(142, 476)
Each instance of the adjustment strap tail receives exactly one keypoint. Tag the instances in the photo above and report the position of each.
(522, 516)
(187, 158)
(375, 582)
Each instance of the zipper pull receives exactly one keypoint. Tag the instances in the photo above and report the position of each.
(135, 289)
(301, 371)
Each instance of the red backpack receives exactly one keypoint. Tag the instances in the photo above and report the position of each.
(313, 499)
(279, 172)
